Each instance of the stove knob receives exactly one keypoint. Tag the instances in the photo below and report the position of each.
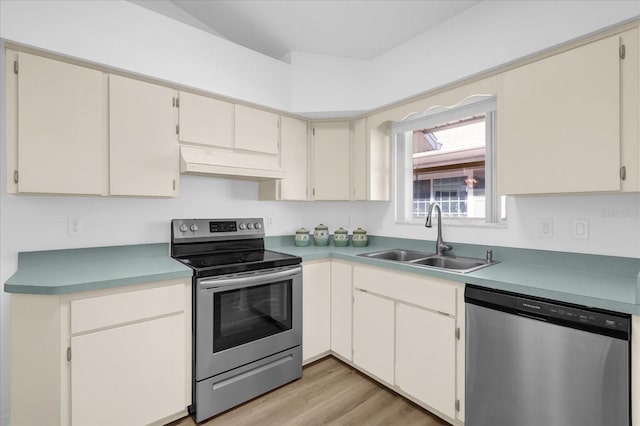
(242, 226)
(194, 227)
(249, 225)
(257, 225)
(184, 228)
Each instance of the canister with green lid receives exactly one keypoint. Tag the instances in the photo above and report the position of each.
(359, 238)
(321, 235)
(302, 238)
(341, 237)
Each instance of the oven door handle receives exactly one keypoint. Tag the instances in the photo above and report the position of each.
(250, 279)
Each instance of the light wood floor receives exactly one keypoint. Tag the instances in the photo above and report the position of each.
(329, 392)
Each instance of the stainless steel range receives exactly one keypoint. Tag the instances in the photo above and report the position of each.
(247, 305)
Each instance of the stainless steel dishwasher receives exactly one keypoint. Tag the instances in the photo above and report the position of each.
(537, 362)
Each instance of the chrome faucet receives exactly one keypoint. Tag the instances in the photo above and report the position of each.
(440, 244)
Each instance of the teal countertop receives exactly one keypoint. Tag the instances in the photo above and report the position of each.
(71, 271)
(604, 282)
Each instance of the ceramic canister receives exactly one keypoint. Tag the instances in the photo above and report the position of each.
(302, 238)
(341, 237)
(321, 235)
(359, 238)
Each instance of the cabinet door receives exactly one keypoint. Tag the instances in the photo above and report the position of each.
(206, 121)
(293, 159)
(143, 141)
(256, 130)
(129, 375)
(341, 308)
(330, 160)
(426, 357)
(316, 309)
(62, 133)
(559, 123)
(373, 334)
(359, 161)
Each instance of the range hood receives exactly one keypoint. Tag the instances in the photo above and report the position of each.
(235, 164)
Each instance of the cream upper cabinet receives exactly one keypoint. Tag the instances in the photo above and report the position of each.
(144, 151)
(294, 160)
(316, 310)
(426, 357)
(359, 160)
(206, 121)
(330, 160)
(559, 122)
(256, 130)
(341, 308)
(56, 127)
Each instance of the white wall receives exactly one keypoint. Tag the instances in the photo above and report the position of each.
(126, 36)
(123, 35)
(323, 85)
(614, 225)
(487, 35)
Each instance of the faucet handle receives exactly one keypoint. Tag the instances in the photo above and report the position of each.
(489, 256)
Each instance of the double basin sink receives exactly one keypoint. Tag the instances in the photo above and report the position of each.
(430, 260)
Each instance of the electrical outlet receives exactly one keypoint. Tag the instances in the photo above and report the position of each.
(545, 227)
(74, 226)
(269, 221)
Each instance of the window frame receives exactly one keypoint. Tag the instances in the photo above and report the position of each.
(403, 158)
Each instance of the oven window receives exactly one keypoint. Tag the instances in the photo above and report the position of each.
(247, 314)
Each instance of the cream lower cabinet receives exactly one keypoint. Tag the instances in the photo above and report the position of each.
(341, 309)
(316, 310)
(426, 357)
(107, 357)
(373, 334)
(408, 331)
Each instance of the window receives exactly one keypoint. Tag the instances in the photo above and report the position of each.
(448, 157)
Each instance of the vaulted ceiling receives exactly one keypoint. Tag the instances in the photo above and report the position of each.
(360, 29)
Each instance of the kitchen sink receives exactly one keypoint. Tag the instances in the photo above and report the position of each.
(397, 255)
(430, 260)
(461, 264)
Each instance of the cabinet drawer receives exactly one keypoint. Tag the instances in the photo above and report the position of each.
(428, 292)
(107, 311)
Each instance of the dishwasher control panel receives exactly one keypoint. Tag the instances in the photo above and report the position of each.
(570, 314)
(585, 318)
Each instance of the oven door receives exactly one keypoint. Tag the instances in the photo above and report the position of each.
(246, 317)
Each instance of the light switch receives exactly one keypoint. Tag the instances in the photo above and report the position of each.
(581, 229)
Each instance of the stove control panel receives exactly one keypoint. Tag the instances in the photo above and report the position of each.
(216, 229)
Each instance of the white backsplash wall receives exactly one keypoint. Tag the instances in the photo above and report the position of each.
(613, 220)
(40, 222)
